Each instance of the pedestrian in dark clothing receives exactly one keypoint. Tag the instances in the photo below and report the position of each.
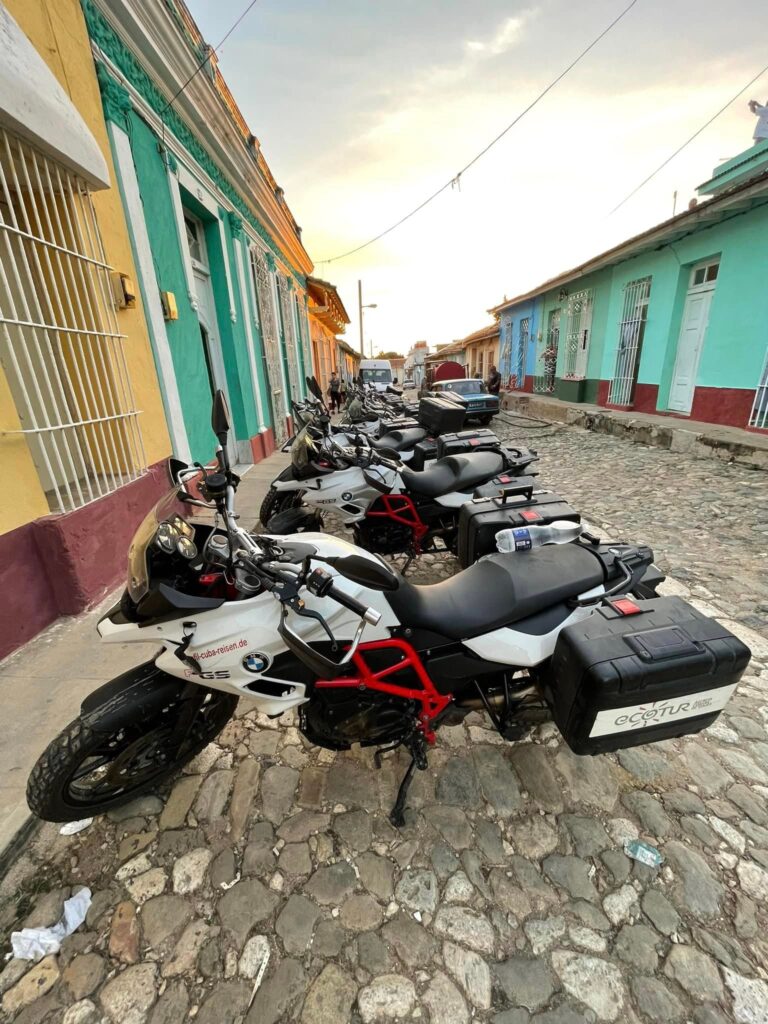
(494, 381)
(334, 391)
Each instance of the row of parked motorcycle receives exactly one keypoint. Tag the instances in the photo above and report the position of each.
(406, 479)
(544, 620)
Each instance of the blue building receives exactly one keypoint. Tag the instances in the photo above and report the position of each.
(520, 331)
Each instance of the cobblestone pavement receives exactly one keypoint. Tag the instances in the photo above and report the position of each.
(507, 898)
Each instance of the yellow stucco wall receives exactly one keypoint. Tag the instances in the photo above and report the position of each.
(56, 29)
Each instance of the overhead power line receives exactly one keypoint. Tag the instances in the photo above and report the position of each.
(456, 178)
(695, 135)
(207, 57)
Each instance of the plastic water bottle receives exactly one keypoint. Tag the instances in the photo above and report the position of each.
(523, 538)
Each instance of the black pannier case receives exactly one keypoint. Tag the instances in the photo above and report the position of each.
(616, 680)
(453, 444)
(480, 440)
(440, 415)
(505, 503)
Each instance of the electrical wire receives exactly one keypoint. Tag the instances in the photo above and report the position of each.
(695, 135)
(456, 179)
(207, 57)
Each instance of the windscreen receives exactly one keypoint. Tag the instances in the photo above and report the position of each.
(138, 567)
(303, 449)
(376, 376)
(463, 387)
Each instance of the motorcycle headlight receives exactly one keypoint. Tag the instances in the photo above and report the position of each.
(186, 547)
(166, 538)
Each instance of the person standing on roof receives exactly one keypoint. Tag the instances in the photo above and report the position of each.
(761, 128)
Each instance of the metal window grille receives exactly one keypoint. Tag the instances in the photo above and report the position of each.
(522, 349)
(289, 335)
(60, 344)
(505, 354)
(759, 415)
(577, 332)
(637, 295)
(262, 278)
(546, 357)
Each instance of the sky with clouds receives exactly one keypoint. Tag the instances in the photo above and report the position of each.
(364, 108)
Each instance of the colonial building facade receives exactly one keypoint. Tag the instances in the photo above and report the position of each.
(82, 427)
(327, 319)
(148, 258)
(670, 322)
(220, 262)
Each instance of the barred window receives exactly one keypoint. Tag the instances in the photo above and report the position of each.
(60, 344)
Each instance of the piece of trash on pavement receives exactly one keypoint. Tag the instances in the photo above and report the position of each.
(643, 852)
(35, 943)
(260, 975)
(71, 828)
(228, 885)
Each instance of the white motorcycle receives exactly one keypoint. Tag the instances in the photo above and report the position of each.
(313, 623)
(391, 508)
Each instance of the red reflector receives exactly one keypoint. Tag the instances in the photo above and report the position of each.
(626, 607)
(505, 479)
(208, 578)
(474, 440)
(529, 515)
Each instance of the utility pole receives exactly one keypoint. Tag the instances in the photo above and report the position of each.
(361, 307)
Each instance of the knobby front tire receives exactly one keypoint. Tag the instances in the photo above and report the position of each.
(52, 788)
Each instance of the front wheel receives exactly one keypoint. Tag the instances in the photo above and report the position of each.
(278, 501)
(91, 768)
(484, 420)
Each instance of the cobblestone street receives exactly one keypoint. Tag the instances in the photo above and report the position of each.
(507, 898)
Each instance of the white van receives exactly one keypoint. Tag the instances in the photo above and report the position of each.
(377, 372)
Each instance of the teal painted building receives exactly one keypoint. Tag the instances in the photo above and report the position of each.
(673, 321)
(221, 267)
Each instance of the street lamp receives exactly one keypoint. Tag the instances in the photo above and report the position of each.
(361, 307)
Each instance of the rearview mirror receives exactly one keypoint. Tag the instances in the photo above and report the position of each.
(220, 417)
(314, 387)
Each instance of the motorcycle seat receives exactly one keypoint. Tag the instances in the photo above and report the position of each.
(498, 591)
(400, 440)
(453, 473)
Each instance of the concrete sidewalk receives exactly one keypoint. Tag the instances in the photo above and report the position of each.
(677, 434)
(43, 683)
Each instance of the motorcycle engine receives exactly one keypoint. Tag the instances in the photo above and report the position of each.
(338, 718)
(385, 538)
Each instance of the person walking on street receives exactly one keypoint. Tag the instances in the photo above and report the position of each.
(334, 391)
(761, 128)
(494, 381)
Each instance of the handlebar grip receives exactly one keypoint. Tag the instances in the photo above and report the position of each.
(369, 614)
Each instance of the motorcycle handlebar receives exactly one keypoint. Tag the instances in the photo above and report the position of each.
(369, 614)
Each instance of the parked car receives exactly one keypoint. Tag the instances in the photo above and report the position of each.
(473, 394)
(409, 383)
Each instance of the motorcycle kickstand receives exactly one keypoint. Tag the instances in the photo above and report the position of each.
(418, 760)
(407, 562)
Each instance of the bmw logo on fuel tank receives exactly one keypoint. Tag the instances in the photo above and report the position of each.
(256, 662)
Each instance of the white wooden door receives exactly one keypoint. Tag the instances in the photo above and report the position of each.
(206, 314)
(693, 330)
